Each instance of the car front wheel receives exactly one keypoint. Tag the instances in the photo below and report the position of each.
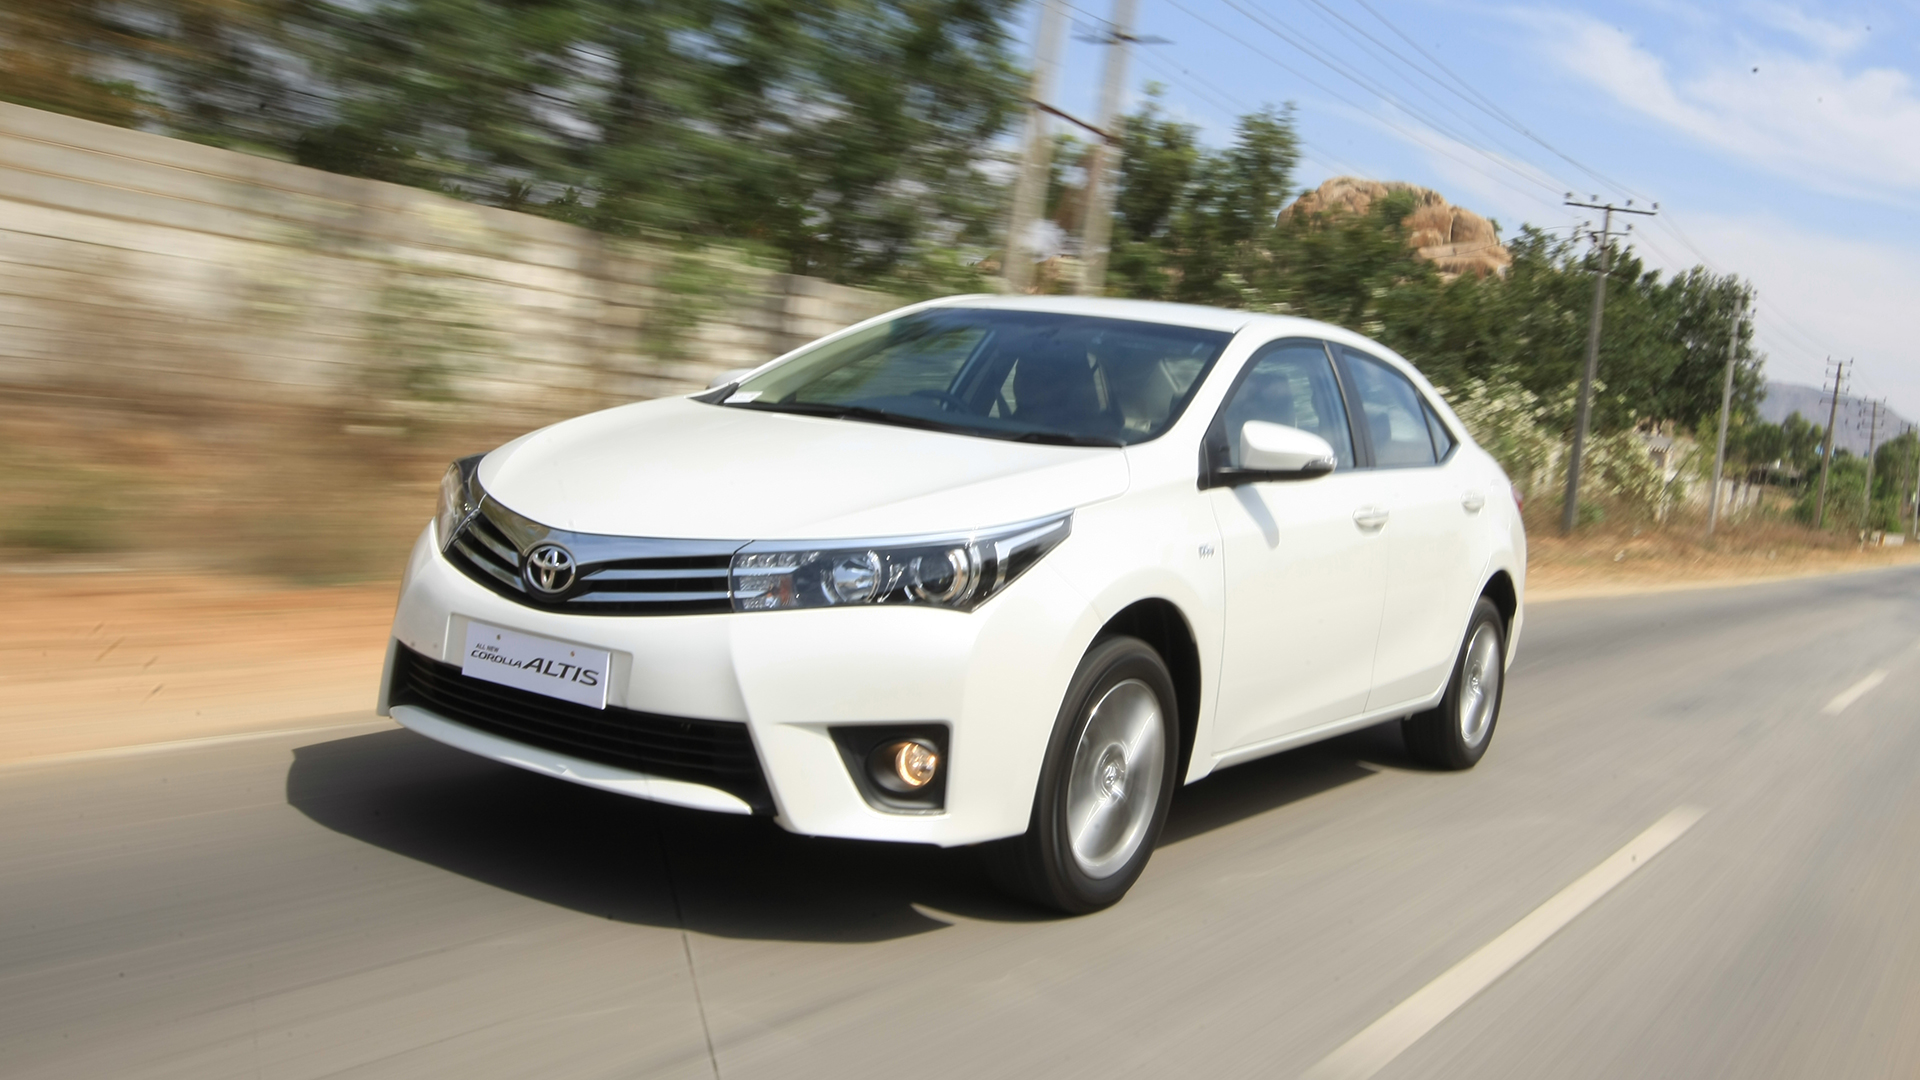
(1105, 786)
(1455, 735)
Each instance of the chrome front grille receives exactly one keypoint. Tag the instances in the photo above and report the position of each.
(613, 575)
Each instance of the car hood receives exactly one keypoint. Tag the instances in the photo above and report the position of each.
(684, 469)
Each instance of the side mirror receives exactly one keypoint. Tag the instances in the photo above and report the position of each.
(1275, 452)
(728, 377)
(1266, 447)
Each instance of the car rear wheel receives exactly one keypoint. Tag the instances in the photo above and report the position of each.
(1105, 785)
(1455, 735)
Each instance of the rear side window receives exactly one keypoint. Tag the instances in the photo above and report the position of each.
(1290, 383)
(1396, 417)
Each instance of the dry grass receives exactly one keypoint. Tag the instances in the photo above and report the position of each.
(1627, 556)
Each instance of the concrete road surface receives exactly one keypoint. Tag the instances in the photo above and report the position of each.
(369, 904)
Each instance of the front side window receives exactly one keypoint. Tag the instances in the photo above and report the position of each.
(1394, 413)
(1291, 383)
(1030, 376)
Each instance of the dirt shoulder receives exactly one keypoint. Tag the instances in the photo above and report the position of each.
(1626, 561)
(100, 660)
(91, 661)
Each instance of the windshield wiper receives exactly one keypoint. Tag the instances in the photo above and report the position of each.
(1061, 438)
(854, 412)
(882, 416)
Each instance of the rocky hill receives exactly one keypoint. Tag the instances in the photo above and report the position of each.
(1456, 240)
(1784, 399)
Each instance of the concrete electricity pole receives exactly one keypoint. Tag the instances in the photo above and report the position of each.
(1720, 446)
(1826, 455)
(1916, 482)
(1873, 435)
(1030, 187)
(1571, 511)
(1097, 228)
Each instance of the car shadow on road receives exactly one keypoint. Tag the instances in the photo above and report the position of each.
(633, 861)
(1233, 795)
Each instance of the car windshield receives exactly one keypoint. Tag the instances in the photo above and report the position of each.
(1031, 376)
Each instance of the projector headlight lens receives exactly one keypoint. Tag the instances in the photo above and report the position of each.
(958, 573)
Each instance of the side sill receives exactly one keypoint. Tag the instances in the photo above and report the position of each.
(587, 773)
(1324, 731)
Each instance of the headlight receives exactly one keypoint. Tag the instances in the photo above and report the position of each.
(957, 572)
(457, 499)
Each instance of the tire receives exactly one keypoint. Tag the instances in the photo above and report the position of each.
(1456, 734)
(1110, 766)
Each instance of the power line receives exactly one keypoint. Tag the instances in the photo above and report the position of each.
(1494, 110)
(1358, 36)
(1318, 55)
(1229, 109)
(1343, 99)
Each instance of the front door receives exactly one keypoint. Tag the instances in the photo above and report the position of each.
(1304, 561)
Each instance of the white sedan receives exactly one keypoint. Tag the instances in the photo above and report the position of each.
(986, 570)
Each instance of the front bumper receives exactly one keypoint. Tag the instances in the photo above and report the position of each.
(994, 676)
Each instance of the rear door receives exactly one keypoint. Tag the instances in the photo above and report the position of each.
(1432, 504)
(1304, 560)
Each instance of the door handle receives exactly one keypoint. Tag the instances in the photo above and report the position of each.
(1473, 501)
(1370, 517)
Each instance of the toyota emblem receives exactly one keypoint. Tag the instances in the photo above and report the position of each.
(549, 569)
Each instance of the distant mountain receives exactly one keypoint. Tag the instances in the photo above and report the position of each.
(1785, 399)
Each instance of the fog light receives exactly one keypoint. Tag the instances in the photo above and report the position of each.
(905, 766)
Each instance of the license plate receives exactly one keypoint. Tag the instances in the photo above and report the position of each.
(569, 672)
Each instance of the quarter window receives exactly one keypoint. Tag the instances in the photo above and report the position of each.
(1293, 384)
(1395, 415)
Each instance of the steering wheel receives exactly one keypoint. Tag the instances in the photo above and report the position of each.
(952, 401)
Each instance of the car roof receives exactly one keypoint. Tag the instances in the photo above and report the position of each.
(1159, 311)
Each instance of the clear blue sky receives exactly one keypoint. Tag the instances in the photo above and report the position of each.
(1802, 176)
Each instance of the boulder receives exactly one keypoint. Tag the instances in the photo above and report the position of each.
(1455, 239)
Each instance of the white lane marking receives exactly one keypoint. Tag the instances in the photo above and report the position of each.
(1854, 693)
(182, 744)
(1403, 1025)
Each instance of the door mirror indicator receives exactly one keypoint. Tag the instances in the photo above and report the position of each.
(1271, 451)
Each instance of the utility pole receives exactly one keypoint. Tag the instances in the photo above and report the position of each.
(1030, 187)
(1097, 227)
(1726, 404)
(1826, 455)
(1873, 435)
(1603, 239)
(1916, 482)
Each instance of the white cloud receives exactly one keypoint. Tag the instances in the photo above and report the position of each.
(1819, 294)
(1851, 132)
(1830, 38)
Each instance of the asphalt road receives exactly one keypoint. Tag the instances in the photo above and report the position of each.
(370, 904)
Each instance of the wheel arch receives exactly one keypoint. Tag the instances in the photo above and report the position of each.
(1161, 624)
(1499, 589)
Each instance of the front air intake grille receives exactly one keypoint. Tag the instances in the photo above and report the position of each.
(612, 575)
(717, 753)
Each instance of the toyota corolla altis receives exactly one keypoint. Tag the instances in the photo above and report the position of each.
(983, 571)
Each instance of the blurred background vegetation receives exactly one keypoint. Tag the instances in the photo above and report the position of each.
(868, 142)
